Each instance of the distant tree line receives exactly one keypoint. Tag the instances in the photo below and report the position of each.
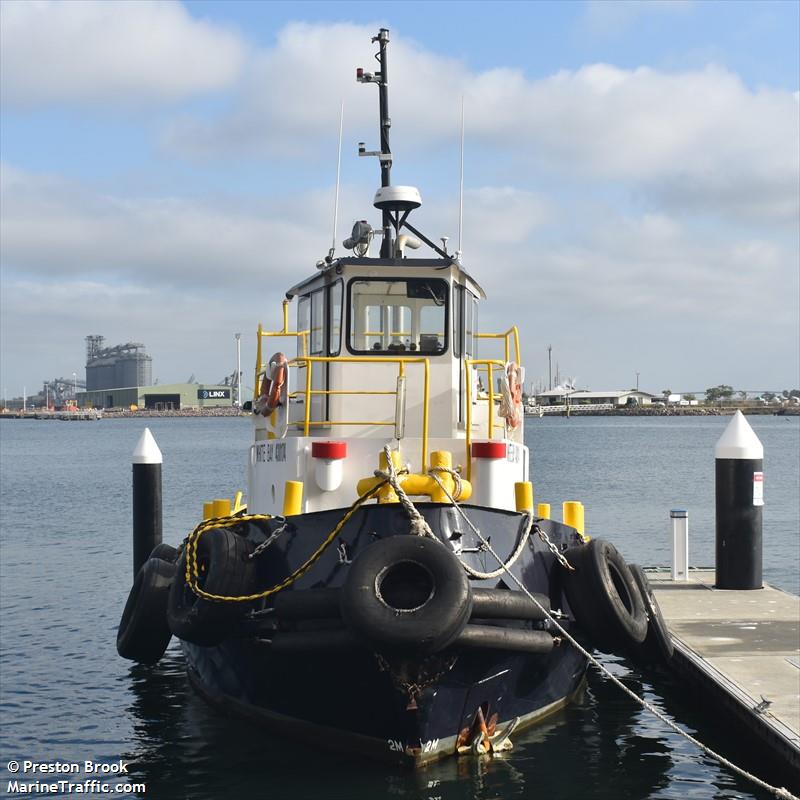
(723, 393)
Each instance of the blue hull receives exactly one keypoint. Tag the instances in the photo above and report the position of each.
(347, 699)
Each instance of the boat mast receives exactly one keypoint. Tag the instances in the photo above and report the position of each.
(385, 156)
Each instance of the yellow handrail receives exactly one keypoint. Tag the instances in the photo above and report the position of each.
(490, 364)
(305, 362)
(260, 366)
(512, 331)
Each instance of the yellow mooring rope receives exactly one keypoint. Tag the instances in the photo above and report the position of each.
(192, 572)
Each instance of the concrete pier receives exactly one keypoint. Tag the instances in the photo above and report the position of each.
(743, 648)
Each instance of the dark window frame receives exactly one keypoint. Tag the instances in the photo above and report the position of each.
(349, 318)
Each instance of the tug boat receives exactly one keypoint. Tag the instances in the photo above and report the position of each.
(389, 588)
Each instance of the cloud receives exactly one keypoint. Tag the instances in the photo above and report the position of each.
(59, 228)
(607, 18)
(695, 139)
(183, 275)
(86, 52)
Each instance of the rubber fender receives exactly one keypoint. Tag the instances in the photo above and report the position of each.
(507, 604)
(290, 642)
(224, 569)
(166, 552)
(604, 597)
(406, 593)
(657, 647)
(143, 633)
(298, 604)
(489, 637)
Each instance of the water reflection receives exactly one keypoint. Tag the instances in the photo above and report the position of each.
(183, 748)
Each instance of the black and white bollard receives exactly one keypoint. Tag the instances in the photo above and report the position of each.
(739, 459)
(147, 516)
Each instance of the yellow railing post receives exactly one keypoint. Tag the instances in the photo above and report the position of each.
(543, 510)
(256, 387)
(523, 496)
(425, 402)
(308, 398)
(292, 498)
(490, 379)
(285, 317)
(516, 343)
(468, 415)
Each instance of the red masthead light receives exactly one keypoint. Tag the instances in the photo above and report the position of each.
(359, 73)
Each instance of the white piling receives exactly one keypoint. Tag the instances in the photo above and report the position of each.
(680, 544)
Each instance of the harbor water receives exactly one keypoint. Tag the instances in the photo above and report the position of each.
(65, 571)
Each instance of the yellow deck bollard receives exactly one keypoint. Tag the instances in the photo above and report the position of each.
(208, 510)
(417, 485)
(292, 498)
(543, 510)
(573, 515)
(386, 494)
(523, 495)
(221, 507)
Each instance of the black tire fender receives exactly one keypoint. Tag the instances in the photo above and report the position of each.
(166, 552)
(406, 593)
(225, 569)
(604, 596)
(657, 647)
(143, 633)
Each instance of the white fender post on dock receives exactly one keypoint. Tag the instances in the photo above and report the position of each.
(679, 517)
(147, 513)
(739, 457)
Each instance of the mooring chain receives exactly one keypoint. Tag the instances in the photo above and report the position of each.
(412, 689)
(271, 538)
(560, 557)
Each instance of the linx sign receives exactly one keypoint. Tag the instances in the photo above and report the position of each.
(213, 394)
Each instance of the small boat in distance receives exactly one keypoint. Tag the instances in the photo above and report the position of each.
(389, 589)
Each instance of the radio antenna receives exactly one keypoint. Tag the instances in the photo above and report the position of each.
(338, 174)
(461, 183)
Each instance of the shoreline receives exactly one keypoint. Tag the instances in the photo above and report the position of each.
(679, 411)
(582, 411)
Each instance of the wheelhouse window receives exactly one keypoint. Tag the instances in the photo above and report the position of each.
(335, 317)
(465, 322)
(303, 324)
(387, 316)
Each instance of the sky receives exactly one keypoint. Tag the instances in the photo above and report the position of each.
(631, 177)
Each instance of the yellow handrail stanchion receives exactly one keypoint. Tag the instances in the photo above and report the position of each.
(256, 387)
(573, 515)
(523, 495)
(292, 498)
(468, 415)
(308, 399)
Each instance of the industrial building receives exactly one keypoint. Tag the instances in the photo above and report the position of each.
(121, 377)
(120, 365)
(161, 397)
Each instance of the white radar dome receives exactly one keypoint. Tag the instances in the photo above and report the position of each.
(397, 198)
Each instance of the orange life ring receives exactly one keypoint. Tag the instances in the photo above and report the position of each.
(513, 383)
(513, 415)
(272, 384)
